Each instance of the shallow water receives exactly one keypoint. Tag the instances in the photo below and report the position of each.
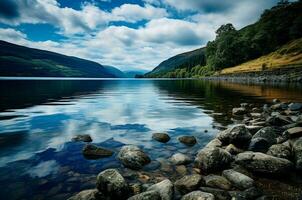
(38, 118)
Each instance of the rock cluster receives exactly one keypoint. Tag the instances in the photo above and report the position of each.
(267, 141)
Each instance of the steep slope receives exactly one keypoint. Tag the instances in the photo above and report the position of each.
(289, 55)
(184, 60)
(115, 71)
(16, 60)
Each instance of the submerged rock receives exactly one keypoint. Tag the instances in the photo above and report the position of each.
(164, 188)
(93, 152)
(180, 159)
(213, 159)
(133, 157)
(93, 194)
(198, 195)
(216, 181)
(148, 195)
(238, 135)
(188, 140)
(82, 138)
(161, 137)
(188, 183)
(239, 180)
(112, 184)
(260, 162)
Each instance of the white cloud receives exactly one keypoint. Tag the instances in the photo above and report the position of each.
(133, 12)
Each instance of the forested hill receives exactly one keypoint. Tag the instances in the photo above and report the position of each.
(16, 60)
(275, 28)
(184, 60)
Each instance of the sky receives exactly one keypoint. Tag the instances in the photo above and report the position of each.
(128, 34)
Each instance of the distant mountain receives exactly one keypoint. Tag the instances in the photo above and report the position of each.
(184, 60)
(115, 71)
(134, 73)
(16, 60)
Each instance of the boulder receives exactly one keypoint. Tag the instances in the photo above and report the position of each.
(278, 120)
(295, 106)
(238, 135)
(279, 106)
(93, 152)
(268, 133)
(216, 181)
(92, 194)
(232, 149)
(218, 193)
(248, 194)
(133, 157)
(253, 129)
(149, 195)
(214, 143)
(198, 195)
(213, 159)
(297, 149)
(164, 188)
(180, 159)
(239, 180)
(239, 111)
(260, 162)
(161, 137)
(188, 140)
(188, 183)
(111, 183)
(280, 151)
(294, 132)
(82, 138)
(259, 144)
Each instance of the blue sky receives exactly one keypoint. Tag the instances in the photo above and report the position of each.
(128, 34)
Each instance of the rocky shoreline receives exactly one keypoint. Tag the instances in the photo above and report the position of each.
(266, 142)
(281, 75)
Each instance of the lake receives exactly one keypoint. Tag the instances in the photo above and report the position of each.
(38, 118)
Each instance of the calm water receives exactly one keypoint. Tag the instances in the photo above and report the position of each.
(38, 118)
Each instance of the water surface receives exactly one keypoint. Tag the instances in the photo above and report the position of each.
(38, 118)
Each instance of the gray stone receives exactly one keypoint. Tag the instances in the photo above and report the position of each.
(180, 159)
(239, 111)
(267, 133)
(280, 151)
(232, 149)
(238, 135)
(295, 106)
(82, 138)
(164, 188)
(213, 159)
(253, 129)
(259, 144)
(133, 157)
(111, 183)
(161, 137)
(92, 194)
(260, 162)
(278, 120)
(93, 152)
(294, 132)
(216, 181)
(218, 193)
(297, 148)
(188, 183)
(198, 195)
(188, 140)
(214, 143)
(149, 195)
(239, 180)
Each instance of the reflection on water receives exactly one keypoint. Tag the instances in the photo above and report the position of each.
(38, 118)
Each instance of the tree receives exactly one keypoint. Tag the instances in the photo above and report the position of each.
(225, 29)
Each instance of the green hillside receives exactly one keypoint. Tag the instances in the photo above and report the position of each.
(275, 28)
(16, 60)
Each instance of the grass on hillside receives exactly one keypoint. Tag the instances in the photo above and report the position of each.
(289, 55)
